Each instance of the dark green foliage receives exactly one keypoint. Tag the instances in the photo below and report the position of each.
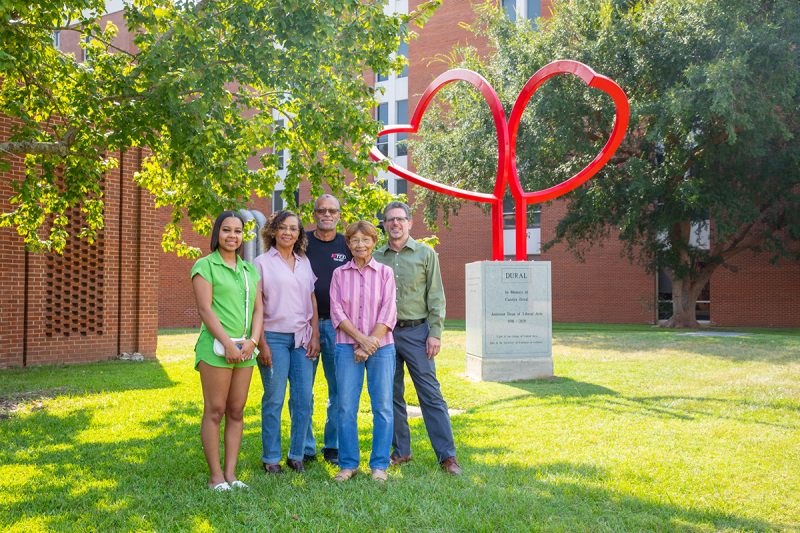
(714, 88)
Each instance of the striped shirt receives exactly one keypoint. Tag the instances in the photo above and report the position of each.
(365, 297)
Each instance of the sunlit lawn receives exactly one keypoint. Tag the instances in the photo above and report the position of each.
(643, 430)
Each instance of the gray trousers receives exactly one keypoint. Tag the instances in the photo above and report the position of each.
(410, 346)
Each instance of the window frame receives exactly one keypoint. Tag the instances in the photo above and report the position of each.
(383, 140)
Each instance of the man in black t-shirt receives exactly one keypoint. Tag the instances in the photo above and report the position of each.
(327, 251)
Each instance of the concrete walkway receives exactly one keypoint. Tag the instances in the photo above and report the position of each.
(415, 412)
(713, 334)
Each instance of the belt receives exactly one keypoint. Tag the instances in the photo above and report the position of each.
(324, 317)
(410, 323)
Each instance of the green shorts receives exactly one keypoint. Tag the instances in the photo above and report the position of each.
(204, 351)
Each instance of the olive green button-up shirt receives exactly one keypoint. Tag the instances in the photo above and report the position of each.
(420, 293)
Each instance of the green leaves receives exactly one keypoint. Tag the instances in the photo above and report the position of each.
(200, 92)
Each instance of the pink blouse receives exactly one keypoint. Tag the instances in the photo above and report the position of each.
(287, 295)
(365, 297)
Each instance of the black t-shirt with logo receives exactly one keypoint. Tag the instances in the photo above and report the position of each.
(325, 257)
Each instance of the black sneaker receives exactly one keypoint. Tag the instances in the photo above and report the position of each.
(309, 458)
(331, 456)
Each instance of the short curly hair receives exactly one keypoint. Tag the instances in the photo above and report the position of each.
(367, 228)
(270, 229)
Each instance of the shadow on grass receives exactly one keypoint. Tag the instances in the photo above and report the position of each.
(561, 391)
(562, 388)
(117, 376)
(157, 482)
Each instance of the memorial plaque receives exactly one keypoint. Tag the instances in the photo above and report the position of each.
(509, 320)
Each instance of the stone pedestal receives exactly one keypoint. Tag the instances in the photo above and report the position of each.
(509, 321)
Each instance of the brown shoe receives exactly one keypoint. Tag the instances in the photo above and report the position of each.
(345, 474)
(297, 466)
(379, 475)
(272, 469)
(450, 465)
(396, 460)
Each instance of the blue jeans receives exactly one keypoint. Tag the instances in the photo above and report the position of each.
(327, 343)
(289, 363)
(350, 379)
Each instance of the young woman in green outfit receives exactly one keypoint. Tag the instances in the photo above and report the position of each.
(228, 299)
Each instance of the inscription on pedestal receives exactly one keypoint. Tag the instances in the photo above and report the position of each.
(509, 320)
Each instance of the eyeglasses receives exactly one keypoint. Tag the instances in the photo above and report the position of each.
(356, 242)
(329, 211)
(399, 220)
(287, 229)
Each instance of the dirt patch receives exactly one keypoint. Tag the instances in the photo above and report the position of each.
(13, 403)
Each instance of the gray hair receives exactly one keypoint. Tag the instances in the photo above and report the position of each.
(397, 205)
(332, 197)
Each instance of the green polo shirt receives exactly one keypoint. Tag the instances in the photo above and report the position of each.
(420, 293)
(227, 298)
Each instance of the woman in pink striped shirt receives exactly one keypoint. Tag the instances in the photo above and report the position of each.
(364, 312)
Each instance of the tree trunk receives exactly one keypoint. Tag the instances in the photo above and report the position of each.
(684, 304)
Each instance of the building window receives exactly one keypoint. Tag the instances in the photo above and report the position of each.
(510, 7)
(86, 54)
(382, 77)
(382, 115)
(534, 10)
(57, 40)
(402, 50)
(281, 161)
(279, 203)
(509, 212)
(401, 187)
(402, 118)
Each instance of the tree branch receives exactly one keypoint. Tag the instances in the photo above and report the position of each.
(35, 148)
(747, 245)
(60, 148)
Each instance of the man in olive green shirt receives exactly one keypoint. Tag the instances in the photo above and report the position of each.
(417, 336)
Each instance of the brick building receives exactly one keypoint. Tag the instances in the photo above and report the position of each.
(100, 300)
(96, 300)
(605, 288)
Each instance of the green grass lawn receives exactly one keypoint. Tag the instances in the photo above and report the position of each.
(643, 430)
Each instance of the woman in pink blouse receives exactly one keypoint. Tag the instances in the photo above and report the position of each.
(290, 344)
(364, 312)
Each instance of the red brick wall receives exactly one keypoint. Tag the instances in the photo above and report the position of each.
(12, 268)
(93, 302)
(758, 295)
(606, 288)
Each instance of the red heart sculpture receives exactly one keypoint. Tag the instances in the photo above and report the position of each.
(507, 138)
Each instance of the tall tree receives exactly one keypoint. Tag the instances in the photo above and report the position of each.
(714, 140)
(198, 91)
